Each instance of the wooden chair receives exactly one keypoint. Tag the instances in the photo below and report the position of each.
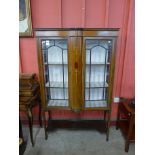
(126, 120)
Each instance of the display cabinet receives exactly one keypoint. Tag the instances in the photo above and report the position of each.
(76, 68)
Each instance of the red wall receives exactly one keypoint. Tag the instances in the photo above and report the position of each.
(90, 14)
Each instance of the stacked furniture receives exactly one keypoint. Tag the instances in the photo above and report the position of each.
(126, 120)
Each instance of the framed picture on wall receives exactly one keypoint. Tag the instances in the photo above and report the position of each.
(25, 22)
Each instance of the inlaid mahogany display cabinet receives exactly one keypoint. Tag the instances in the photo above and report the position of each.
(76, 68)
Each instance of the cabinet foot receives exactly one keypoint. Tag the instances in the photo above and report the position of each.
(45, 124)
(108, 125)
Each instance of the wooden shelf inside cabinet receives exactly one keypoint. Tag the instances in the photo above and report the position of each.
(55, 84)
(95, 103)
(96, 85)
(76, 68)
(58, 103)
(55, 63)
(98, 63)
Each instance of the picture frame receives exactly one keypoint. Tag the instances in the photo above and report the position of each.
(25, 21)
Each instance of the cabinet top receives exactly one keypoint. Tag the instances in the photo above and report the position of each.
(45, 32)
(76, 29)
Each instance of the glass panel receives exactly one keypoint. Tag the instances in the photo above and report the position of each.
(47, 43)
(66, 74)
(91, 43)
(98, 55)
(56, 93)
(95, 93)
(61, 43)
(65, 56)
(55, 57)
(97, 72)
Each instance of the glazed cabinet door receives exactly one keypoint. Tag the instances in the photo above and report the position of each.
(60, 72)
(54, 56)
(97, 72)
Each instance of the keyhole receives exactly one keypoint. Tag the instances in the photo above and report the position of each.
(76, 65)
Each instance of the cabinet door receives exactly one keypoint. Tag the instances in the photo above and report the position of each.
(55, 70)
(97, 58)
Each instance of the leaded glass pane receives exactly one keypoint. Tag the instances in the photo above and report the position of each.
(55, 57)
(98, 53)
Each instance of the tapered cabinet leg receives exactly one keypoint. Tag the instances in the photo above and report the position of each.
(40, 120)
(45, 124)
(49, 115)
(105, 112)
(108, 125)
(30, 119)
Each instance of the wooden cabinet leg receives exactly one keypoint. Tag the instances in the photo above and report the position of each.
(45, 124)
(30, 119)
(105, 112)
(40, 120)
(108, 125)
(49, 115)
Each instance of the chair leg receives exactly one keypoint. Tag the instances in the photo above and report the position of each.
(118, 118)
(44, 122)
(127, 143)
(20, 129)
(108, 125)
(131, 124)
(30, 119)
